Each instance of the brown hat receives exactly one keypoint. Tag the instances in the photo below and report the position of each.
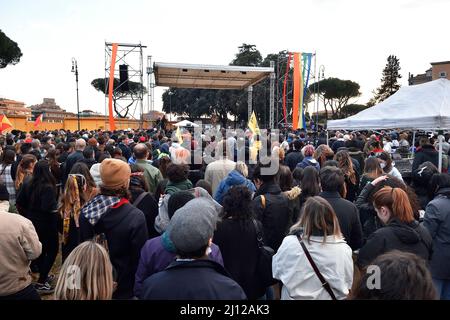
(115, 174)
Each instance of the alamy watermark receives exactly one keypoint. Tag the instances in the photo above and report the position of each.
(73, 277)
(240, 146)
(374, 280)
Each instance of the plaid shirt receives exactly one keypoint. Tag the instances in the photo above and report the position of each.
(9, 182)
(96, 208)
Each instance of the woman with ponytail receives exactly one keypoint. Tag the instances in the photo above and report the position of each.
(400, 232)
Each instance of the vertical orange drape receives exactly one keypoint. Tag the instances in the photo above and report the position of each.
(112, 125)
(297, 79)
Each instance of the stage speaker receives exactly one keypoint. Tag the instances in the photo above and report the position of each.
(123, 77)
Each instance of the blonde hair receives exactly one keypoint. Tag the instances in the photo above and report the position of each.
(318, 217)
(242, 168)
(95, 274)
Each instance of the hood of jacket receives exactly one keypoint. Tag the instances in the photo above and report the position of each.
(235, 178)
(173, 187)
(406, 232)
(269, 187)
(310, 161)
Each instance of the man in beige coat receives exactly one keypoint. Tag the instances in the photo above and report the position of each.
(19, 246)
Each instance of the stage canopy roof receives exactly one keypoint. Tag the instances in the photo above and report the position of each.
(201, 76)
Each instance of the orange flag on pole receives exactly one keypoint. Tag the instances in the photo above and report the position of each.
(297, 80)
(112, 125)
(4, 123)
(38, 120)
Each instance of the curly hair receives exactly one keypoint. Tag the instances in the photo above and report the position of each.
(177, 172)
(237, 203)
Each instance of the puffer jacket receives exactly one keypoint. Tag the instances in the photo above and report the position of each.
(396, 235)
(234, 178)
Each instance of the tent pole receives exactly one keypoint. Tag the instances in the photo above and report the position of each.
(413, 148)
(440, 138)
(327, 139)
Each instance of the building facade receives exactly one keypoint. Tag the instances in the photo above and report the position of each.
(14, 108)
(438, 70)
(52, 112)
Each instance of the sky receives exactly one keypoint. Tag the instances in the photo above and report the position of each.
(352, 39)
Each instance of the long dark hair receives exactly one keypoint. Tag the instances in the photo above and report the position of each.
(310, 182)
(82, 168)
(42, 178)
(8, 158)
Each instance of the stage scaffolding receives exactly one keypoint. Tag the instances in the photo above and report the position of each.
(127, 104)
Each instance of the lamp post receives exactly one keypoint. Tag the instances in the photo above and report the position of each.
(321, 76)
(170, 105)
(75, 70)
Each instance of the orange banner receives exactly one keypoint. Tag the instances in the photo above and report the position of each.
(297, 79)
(112, 125)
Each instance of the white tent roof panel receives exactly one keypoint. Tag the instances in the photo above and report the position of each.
(420, 107)
(208, 76)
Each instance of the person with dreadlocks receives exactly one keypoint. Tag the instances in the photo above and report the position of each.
(80, 188)
(351, 175)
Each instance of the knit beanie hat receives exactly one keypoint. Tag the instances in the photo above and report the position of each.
(95, 173)
(193, 225)
(115, 174)
(92, 142)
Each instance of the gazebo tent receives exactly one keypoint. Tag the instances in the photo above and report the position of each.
(420, 107)
(185, 123)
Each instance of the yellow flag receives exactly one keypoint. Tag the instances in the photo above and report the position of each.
(179, 136)
(253, 124)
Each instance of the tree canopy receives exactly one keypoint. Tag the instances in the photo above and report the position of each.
(10, 52)
(335, 94)
(135, 90)
(389, 80)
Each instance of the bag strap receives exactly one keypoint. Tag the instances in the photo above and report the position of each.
(263, 201)
(259, 236)
(139, 199)
(324, 282)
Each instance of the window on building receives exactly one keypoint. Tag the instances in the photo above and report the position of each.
(442, 74)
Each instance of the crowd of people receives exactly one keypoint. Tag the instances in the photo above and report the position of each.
(142, 214)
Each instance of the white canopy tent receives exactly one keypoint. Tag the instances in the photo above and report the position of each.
(185, 123)
(420, 107)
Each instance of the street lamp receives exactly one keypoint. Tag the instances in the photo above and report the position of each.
(321, 76)
(170, 105)
(75, 70)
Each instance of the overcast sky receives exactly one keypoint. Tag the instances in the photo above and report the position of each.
(352, 38)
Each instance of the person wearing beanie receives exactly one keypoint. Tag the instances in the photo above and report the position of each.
(110, 215)
(309, 160)
(192, 276)
(159, 252)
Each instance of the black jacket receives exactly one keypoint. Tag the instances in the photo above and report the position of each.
(126, 233)
(293, 158)
(274, 215)
(192, 280)
(73, 158)
(408, 237)
(348, 217)
(367, 214)
(149, 206)
(126, 152)
(40, 210)
(237, 242)
(426, 153)
(437, 221)
(89, 162)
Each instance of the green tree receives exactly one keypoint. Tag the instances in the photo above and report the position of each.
(248, 55)
(389, 80)
(9, 51)
(352, 109)
(335, 94)
(134, 92)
